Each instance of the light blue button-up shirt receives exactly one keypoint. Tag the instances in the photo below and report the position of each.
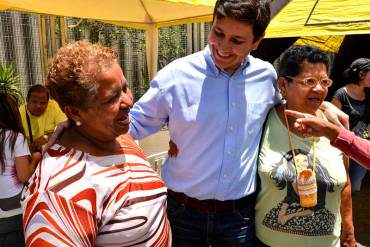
(215, 119)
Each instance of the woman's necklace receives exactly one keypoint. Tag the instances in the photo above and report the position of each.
(305, 178)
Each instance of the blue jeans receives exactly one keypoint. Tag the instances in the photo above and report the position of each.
(192, 227)
(356, 174)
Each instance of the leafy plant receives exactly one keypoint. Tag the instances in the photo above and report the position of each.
(170, 46)
(10, 82)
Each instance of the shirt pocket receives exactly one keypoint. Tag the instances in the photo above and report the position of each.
(256, 115)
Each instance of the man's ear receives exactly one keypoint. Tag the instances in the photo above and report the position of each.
(282, 86)
(73, 113)
(257, 42)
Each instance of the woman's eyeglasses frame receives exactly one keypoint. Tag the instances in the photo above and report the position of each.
(312, 82)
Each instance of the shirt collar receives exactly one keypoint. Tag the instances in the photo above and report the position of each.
(212, 66)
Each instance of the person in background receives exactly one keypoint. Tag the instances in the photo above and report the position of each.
(354, 99)
(40, 115)
(288, 211)
(94, 187)
(16, 167)
(355, 147)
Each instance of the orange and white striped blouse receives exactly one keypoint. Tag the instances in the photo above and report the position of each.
(77, 199)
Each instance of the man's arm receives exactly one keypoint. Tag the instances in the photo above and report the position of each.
(150, 113)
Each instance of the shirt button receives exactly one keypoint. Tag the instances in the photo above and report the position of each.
(231, 128)
(225, 176)
(229, 152)
(233, 104)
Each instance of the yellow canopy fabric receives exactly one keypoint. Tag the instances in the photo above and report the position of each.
(131, 13)
(141, 14)
(321, 17)
(326, 43)
(298, 18)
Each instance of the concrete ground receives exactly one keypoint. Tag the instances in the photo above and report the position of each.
(155, 143)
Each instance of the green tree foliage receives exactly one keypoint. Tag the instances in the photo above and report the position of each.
(170, 45)
(10, 82)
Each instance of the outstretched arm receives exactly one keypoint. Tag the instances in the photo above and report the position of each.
(353, 146)
(57, 133)
(309, 125)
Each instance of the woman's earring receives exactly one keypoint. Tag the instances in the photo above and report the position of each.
(78, 123)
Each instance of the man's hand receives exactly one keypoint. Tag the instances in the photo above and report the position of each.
(57, 133)
(309, 125)
(335, 115)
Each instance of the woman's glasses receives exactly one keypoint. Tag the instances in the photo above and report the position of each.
(312, 82)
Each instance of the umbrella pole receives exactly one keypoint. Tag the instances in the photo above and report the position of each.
(151, 42)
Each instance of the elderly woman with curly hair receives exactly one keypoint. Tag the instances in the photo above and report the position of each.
(94, 187)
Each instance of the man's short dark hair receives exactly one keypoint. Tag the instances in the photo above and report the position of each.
(293, 58)
(255, 12)
(39, 89)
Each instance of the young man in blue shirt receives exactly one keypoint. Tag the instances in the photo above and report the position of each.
(215, 102)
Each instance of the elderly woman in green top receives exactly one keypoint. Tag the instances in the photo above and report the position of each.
(282, 217)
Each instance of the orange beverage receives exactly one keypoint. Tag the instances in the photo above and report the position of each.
(307, 188)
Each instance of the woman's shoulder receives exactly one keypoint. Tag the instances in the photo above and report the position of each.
(340, 93)
(20, 139)
(130, 145)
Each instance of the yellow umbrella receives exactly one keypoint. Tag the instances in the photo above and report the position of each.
(321, 17)
(328, 43)
(142, 14)
(131, 13)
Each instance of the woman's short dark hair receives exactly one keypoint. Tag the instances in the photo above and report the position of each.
(293, 58)
(71, 77)
(10, 120)
(255, 12)
(39, 89)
